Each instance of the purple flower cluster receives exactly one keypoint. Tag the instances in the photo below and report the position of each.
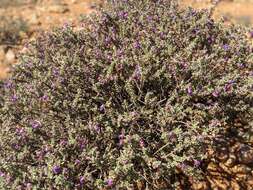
(14, 98)
(82, 180)
(226, 47)
(216, 93)
(102, 108)
(35, 124)
(123, 14)
(142, 143)
(189, 91)
(251, 34)
(137, 45)
(8, 84)
(109, 182)
(121, 138)
(196, 163)
(44, 98)
(137, 73)
(57, 169)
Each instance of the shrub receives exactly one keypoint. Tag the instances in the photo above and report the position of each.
(135, 96)
(11, 29)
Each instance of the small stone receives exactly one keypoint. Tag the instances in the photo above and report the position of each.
(2, 53)
(10, 56)
(58, 8)
(33, 20)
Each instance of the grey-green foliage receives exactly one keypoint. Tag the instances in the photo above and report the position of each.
(138, 94)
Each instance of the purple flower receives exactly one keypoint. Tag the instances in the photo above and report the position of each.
(150, 18)
(102, 108)
(35, 124)
(97, 128)
(184, 65)
(226, 47)
(226, 58)
(66, 173)
(20, 131)
(142, 143)
(77, 162)
(62, 80)
(121, 138)
(8, 84)
(2, 174)
(56, 72)
(82, 143)
(215, 123)
(109, 182)
(216, 93)
(16, 146)
(119, 53)
(251, 34)
(44, 98)
(209, 40)
(8, 178)
(109, 57)
(28, 186)
(137, 45)
(172, 136)
(196, 163)
(114, 31)
(14, 98)
(105, 19)
(66, 25)
(183, 166)
(107, 40)
(134, 114)
(189, 90)
(231, 82)
(81, 180)
(162, 35)
(123, 14)
(137, 73)
(63, 142)
(241, 65)
(227, 87)
(154, 30)
(119, 67)
(98, 54)
(57, 170)
(195, 31)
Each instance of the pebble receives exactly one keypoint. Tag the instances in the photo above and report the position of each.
(33, 20)
(2, 53)
(10, 56)
(58, 8)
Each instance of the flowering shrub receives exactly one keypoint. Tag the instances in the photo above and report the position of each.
(137, 95)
